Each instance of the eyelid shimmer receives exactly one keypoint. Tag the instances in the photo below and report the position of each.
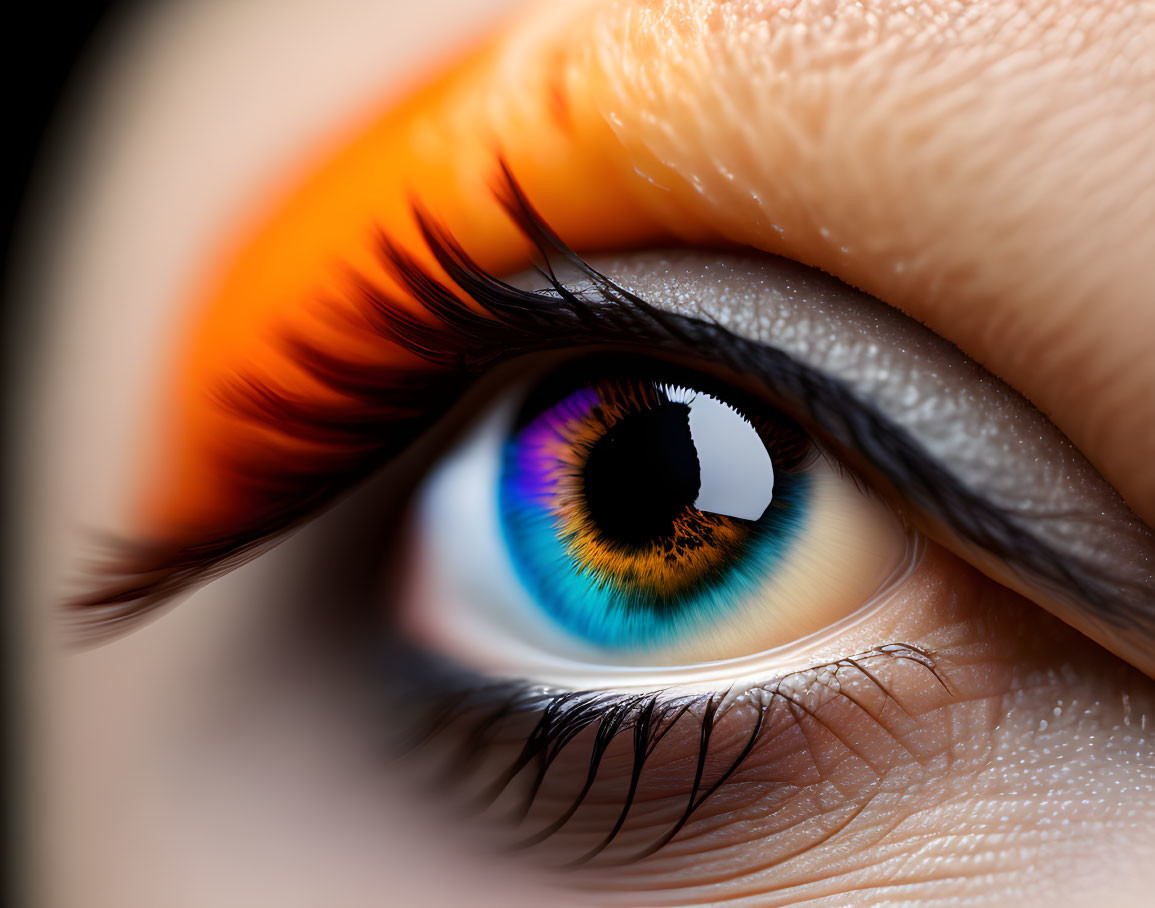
(545, 105)
(294, 274)
(990, 468)
(840, 356)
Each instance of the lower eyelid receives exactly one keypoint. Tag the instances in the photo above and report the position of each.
(834, 730)
(823, 743)
(849, 796)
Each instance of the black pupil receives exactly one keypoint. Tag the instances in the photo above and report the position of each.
(642, 474)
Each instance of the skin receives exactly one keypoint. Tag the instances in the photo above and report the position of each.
(999, 191)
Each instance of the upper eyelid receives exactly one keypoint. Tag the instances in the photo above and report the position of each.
(604, 192)
(978, 458)
(1085, 522)
(996, 528)
(1073, 534)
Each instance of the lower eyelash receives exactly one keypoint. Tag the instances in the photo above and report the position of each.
(471, 716)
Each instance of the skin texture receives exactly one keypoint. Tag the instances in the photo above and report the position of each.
(956, 163)
(980, 167)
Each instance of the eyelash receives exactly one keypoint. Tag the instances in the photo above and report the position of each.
(459, 343)
(479, 709)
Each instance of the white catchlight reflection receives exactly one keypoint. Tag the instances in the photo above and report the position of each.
(460, 594)
(737, 475)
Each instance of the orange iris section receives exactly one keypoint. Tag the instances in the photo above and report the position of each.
(699, 544)
(293, 274)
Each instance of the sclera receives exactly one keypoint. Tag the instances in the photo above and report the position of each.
(461, 599)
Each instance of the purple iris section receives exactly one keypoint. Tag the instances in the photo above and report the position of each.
(608, 610)
(536, 466)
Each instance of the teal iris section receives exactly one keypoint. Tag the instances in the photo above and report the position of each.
(597, 606)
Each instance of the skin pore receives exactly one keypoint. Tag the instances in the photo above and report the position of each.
(981, 167)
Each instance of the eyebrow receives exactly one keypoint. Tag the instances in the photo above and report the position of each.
(475, 322)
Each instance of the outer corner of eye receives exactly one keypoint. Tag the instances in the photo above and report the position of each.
(620, 523)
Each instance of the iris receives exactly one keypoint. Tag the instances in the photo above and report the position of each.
(641, 507)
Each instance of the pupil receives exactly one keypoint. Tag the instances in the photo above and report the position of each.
(642, 474)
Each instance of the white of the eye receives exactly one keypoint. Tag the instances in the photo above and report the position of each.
(737, 475)
(461, 595)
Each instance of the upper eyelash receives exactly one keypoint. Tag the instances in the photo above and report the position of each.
(483, 707)
(461, 342)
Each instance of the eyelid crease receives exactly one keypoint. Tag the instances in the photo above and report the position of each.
(477, 321)
(974, 456)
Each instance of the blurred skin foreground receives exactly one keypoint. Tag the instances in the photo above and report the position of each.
(983, 168)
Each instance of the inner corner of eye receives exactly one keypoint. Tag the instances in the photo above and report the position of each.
(625, 513)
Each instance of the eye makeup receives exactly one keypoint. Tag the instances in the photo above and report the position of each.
(999, 477)
(814, 364)
(953, 440)
(826, 736)
(626, 769)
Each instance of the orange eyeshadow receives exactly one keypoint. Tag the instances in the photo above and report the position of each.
(301, 275)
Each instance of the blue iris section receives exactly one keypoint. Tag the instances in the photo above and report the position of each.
(610, 614)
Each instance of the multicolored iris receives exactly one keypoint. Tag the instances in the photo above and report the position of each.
(639, 509)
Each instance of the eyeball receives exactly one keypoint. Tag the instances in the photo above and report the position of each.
(626, 522)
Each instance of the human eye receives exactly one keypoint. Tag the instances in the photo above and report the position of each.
(817, 734)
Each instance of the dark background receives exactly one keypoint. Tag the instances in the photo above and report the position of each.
(44, 44)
